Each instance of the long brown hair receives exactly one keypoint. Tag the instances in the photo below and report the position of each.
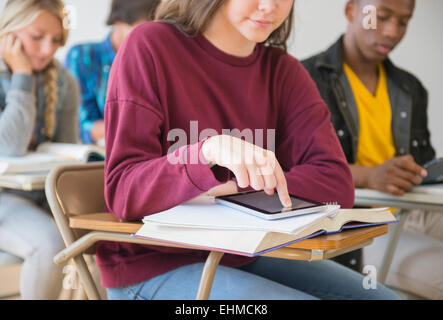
(193, 16)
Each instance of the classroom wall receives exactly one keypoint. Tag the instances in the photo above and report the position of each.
(318, 24)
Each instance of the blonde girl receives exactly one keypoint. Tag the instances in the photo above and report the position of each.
(38, 103)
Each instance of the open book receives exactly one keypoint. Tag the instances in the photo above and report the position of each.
(48, 155)
(27, 181)
(205, 224)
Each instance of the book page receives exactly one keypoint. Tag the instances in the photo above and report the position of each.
(30, 162)
(226, 240)
(24, 181)
(69, 151)
(204, 212)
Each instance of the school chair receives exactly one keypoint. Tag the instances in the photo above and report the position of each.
(73, 190)
(9, 275)
(75, 194)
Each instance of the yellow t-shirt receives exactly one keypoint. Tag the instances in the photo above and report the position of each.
(376, 144)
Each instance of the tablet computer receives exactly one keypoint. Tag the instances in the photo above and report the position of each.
(259, 204)
(435, 171)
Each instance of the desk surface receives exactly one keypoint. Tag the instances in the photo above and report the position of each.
(422, 197)
(26, 182)
(338, 241)
(318, 248)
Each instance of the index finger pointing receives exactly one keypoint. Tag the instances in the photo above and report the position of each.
(282, 187)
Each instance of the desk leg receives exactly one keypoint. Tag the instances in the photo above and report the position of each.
(208, 275)
(392, 245)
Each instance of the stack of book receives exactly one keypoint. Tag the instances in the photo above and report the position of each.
(208, 225)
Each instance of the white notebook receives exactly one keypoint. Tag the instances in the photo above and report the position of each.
(205, 224)
(48, 155)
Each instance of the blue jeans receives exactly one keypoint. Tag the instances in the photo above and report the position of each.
(263, 279)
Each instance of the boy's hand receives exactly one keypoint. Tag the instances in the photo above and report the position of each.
(396, 175)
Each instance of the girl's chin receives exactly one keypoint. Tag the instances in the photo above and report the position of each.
(257, 38)
(37, 67)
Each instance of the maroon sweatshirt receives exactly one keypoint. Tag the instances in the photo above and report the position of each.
(161, 82)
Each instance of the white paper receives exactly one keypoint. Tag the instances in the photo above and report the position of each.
(204, 212)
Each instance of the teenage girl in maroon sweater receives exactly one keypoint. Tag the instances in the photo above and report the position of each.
(209, 67)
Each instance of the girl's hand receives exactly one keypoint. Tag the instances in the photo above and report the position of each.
(250, 164)
(11, 50)
(223, 190)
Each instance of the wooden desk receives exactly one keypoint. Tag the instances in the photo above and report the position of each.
(318, 248)
(107, 227)
(25, 182)
(421, 197)
(429, 197)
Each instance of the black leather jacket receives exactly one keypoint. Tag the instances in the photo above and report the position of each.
(409, 101)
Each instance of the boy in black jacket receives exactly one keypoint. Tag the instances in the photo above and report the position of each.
(378, 110)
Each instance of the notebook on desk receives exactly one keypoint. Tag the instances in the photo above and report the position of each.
(207, 225)
(48, 155)
(25, 181)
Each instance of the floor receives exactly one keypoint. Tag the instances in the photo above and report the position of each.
(408, 296)
(9, 289)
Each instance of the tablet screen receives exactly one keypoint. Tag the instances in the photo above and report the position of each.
(260, 201)
(435, 172)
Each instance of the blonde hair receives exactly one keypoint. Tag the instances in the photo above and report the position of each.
(18, 14)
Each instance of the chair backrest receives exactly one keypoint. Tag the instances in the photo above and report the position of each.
(73, 190)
